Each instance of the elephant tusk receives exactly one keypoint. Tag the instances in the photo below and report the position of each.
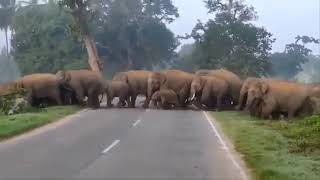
(193, 97)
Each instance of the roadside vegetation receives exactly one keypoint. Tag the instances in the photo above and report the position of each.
(20, 123)
(275, 149)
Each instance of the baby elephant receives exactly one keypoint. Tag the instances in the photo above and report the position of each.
(166, 99)
(117, 89)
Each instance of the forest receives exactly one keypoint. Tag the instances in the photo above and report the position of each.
(46, 36)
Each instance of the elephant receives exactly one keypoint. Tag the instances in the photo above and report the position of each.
(41, 87)
(84, 83)
(234, 81)
(315, 90)
(176, 80)
(209, 88)
(244, 92)
(278, 97)
(138, 84)
(165, 98)
(117, 89)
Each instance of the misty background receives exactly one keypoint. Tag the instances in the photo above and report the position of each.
(285, 20)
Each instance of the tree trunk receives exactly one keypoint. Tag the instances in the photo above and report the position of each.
(230, 6)
(93, 59)
(7, 42)
(129, 58)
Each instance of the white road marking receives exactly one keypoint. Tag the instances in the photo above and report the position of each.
(110, 147)
(224, 146)
(136, 123)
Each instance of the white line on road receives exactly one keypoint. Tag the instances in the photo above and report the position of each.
(224, 146)
(111, 146)
(136, 123)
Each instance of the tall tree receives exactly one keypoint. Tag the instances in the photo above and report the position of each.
(135, 33)
(84, 11)
(230, 40)
(288, 64)
(7, 8)
(43, 41)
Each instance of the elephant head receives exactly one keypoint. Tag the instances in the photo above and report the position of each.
(256, 93)
(63, 77)
(196, 87)
(155, 81)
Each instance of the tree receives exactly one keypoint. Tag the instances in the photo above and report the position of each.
(8, 69)
(7, 8)
(134, 33)
(84, 11)
(288, 64)
(231, 41)
(43, 41)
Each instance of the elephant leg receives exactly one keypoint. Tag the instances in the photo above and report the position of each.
(183, 96)
(56, 97)
(133, 100)
(206, 96)
(121, 102)
(80, 95)
(146, 102)
(219, 102)
(109, 101)
(291, 113)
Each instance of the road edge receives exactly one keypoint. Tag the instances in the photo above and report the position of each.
(234, 155)
(40, 130)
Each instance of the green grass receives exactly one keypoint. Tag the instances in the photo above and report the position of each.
(275, 149)
(17, 124)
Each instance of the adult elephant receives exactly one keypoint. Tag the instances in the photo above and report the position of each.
(85, 83)
(278, 97)
(244, 92)
(138, 84)
(210, 89)
(234, 81)
(40, 87)
(176, 80)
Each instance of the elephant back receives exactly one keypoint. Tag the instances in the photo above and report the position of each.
(233, 80)
(176, 79)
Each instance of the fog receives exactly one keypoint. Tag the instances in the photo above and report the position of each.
(284, 18)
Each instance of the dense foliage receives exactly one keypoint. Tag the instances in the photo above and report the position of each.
(135, 37)
(288, 64)
(231, 41)
(129, 34)
(42, 41)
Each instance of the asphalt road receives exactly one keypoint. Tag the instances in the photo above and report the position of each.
(121, 144)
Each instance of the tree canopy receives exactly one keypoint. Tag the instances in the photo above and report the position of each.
(135, 35)
(288, 64)
(231, 41)
(42, 41)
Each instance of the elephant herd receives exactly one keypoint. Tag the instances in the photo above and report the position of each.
(205, 89)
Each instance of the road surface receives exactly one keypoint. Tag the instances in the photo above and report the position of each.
(121, 144)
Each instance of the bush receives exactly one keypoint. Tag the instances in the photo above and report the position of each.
(14, 102)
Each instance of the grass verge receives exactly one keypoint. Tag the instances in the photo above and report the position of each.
(275, 149)
(17, 124)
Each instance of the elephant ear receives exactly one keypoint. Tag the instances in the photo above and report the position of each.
(123, 77)
(264, 88)
(62, 75)
(163, 79)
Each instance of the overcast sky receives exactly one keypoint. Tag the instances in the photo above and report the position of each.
(284, 18)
